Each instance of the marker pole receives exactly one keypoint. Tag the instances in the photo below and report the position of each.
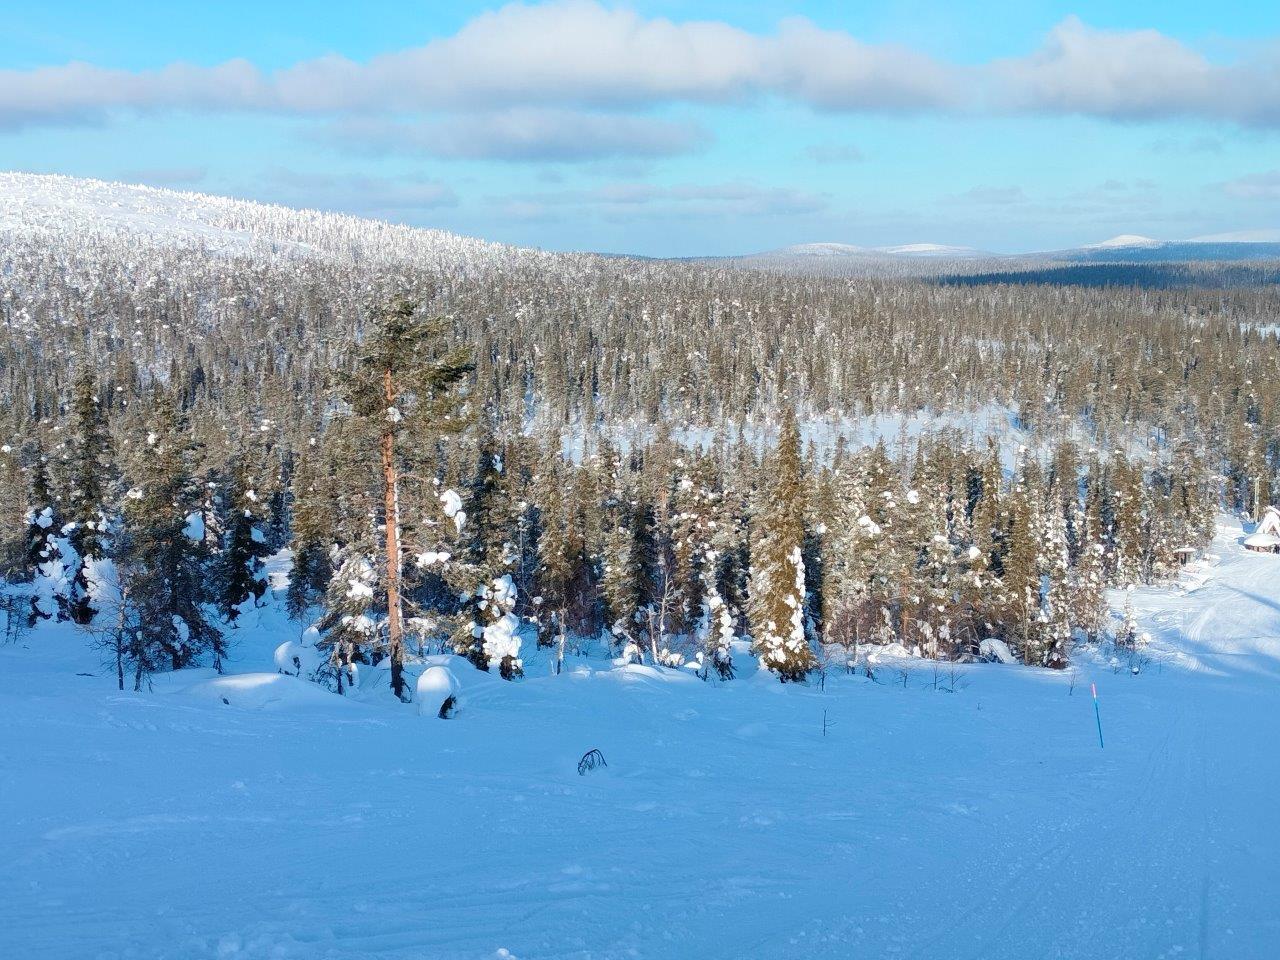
(1094, 688)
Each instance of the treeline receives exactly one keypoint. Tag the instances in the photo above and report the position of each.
(419, 522)
(584, 344)
(1160, 276)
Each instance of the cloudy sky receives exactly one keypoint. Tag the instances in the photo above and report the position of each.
(673, 128)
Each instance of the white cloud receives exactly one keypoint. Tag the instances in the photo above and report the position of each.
(635, 199)
(570, 52)
(580, 55)
(1135, 75)
(382, 197)
(1255, 186)
(520, 134)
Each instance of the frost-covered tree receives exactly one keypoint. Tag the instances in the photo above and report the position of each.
(89, 469)
(778, 586)
(314, 533)
(622, 551)
(241, 572)
(162, 558)
(499, 627)
(353, 623)
(48, 554)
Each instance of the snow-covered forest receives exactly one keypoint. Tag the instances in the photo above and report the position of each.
(459, 443)
(375, 477)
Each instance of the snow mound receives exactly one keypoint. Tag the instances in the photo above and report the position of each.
(996, 650)
(930, 250)
(263, 691)
(435, 687)
(297, 657)
(1123, 240)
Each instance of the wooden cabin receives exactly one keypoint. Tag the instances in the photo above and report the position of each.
(1262, 543)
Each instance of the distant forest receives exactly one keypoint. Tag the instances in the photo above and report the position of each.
(1158, 276)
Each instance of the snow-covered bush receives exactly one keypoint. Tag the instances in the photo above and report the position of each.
(437, 692)
(501, 639)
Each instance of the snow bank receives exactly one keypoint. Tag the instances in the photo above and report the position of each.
(263, 691)
(298, 657)
(995, 649)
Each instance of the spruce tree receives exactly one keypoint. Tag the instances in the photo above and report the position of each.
(163, 558)
(778, 584)
(314, 534)
(241, 573)
(44, 549)
(622, 560)
(88, 473)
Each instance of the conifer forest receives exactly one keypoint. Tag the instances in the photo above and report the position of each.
(462, 444)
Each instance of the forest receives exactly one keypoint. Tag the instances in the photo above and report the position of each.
(660, 456)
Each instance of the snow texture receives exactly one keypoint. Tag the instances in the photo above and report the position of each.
(259, 816)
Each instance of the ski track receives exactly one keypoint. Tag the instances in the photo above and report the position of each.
(977, 825)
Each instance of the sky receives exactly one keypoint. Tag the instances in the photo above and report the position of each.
(672, 128)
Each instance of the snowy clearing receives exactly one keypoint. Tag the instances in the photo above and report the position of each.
(257, 816)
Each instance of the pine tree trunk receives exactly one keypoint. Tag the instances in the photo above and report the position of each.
(395, 622)
(120, 638)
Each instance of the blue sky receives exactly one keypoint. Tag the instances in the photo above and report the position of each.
(673, 128)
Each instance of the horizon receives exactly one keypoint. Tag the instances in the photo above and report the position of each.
(556, 125)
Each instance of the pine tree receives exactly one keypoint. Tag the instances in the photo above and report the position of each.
(403, 390)
(778, 594)
(1056, 569)
(1088, 595)
(499, 625)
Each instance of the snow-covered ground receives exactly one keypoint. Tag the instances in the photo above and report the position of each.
(985, 822)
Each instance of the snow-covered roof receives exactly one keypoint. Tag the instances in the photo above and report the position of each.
(1262, 540)
(1270, 522)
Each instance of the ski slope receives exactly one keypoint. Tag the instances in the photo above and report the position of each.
(980, 823)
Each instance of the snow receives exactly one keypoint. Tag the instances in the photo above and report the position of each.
(435, 686)
(451, 503)
(995, 649)
(931, 250)
(261, 691)
(72, 211)
(986, 822)
(1123, 240)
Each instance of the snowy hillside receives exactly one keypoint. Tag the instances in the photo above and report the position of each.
(938, 816)
(67, 207)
